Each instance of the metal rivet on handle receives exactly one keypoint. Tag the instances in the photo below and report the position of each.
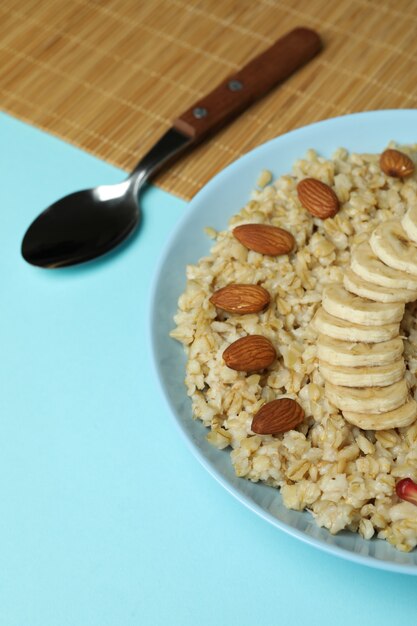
(200, 112)
(235, 85)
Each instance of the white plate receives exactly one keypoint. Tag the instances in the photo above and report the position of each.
(213, 206)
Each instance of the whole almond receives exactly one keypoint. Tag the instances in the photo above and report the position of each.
(395, 163)
(318, 198)
(265, 238)
(238, 298)
(277, 416)
(250, 354)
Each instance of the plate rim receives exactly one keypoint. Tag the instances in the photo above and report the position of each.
(333, 550)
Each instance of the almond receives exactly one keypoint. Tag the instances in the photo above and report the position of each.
(318, 198)
(277, 416)
(250, 354)
(395, 163)
(265, 238)
(236, 298)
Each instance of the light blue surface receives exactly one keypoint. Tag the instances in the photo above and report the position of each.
(107, 519)
(222, 197)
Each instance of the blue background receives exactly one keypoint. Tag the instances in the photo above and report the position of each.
(106, 518)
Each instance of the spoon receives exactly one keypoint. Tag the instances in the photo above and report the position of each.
(89, 223)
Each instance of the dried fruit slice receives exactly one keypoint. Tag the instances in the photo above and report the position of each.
(250, 354)
(277, 416)
(355, 354)
(368, 266)
(239, 298)
(402, 416)
(367, 376)
(318, 198)
(391, 245)
(357, 285)
(340, 303)
(336, 328)
(396, 163)
(368, 399)
(265, 239)
(409, 223)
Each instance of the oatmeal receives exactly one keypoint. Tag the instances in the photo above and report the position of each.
(344, 475)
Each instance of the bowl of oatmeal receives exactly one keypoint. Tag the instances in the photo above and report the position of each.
(325, 478)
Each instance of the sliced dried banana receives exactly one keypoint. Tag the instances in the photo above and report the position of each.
(397, 418)
(334, 327)
(355, 354)
(368, 266)
(340, 303)
(367, 376)
(368, 399)
(409, 223)
(391, 245)
(357, 285)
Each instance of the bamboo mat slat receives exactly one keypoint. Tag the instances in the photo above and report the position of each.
(110, 75)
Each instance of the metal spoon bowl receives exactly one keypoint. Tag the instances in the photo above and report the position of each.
(89, 223)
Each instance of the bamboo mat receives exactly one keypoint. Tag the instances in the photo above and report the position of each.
(109, 75)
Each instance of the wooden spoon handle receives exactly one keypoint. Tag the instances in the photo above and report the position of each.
(241, 89)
